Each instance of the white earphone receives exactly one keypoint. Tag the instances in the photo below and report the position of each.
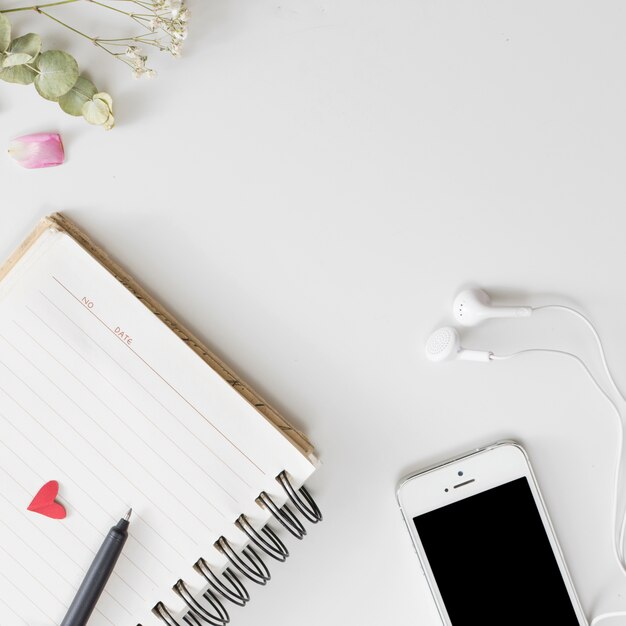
(445, 344)
(472, 306)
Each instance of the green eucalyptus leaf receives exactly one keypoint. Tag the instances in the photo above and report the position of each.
(20, 74)
(99, 110)
(27, 44)
(58, 72)
(5, 32)
(103, 95)
(19, 58)
(96, 112)
(74, 100)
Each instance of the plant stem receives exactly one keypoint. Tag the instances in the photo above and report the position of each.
(106, 6)
(118, 56)
(58, 21)
(36, 7)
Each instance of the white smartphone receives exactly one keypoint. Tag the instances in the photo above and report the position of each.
(485, 542)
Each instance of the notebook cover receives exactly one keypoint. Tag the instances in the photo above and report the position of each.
(61, 223)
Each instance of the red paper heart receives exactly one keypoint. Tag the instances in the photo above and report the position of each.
(44, 504)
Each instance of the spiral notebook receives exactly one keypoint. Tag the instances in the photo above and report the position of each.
(104, 392)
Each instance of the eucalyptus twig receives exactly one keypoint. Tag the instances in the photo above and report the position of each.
(54, 74)
(106, 6)
(160, 24)
(36, 7)
(163, 26)
(58, 21)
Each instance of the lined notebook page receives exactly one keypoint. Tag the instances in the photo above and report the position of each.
(98, 394)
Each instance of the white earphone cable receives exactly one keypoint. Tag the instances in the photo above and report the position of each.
(618, 537)
(587, 321)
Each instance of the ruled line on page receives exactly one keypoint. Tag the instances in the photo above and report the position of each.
(30, 575)
(107, 513)
(115, 573)
(98, 531)
(99, 426)
(21, 593)
(111, 330)
(130, 375)
(136, 487)
(12, 611)
(39, 557)
(122, 504)
(47, 539)
(182, 531)
(118, 418)
(137, 517)
(137, 408)
(73, 589)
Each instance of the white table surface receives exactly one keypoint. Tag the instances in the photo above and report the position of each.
(308, 187)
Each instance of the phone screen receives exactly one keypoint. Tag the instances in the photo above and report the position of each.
(493, 562)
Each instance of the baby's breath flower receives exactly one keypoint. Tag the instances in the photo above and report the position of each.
(165, 28)
(162, 25)
(176, 7)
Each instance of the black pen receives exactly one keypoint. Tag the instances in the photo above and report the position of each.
(98, 574)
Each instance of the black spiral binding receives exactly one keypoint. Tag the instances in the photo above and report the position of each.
(198, 611)
(270, 543)
(235, 590)
(284, 516)
(247, 563)
(253, 567)
(301, 499)
(160, 611)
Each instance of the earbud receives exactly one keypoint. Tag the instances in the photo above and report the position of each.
(472, 306)
(445, 344)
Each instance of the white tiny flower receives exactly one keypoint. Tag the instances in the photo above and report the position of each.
(166, 24)
(179, 32)
(175, 7)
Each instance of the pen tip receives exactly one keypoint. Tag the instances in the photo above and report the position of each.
(128, 514)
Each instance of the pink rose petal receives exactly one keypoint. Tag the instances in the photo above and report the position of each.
(38, 150)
